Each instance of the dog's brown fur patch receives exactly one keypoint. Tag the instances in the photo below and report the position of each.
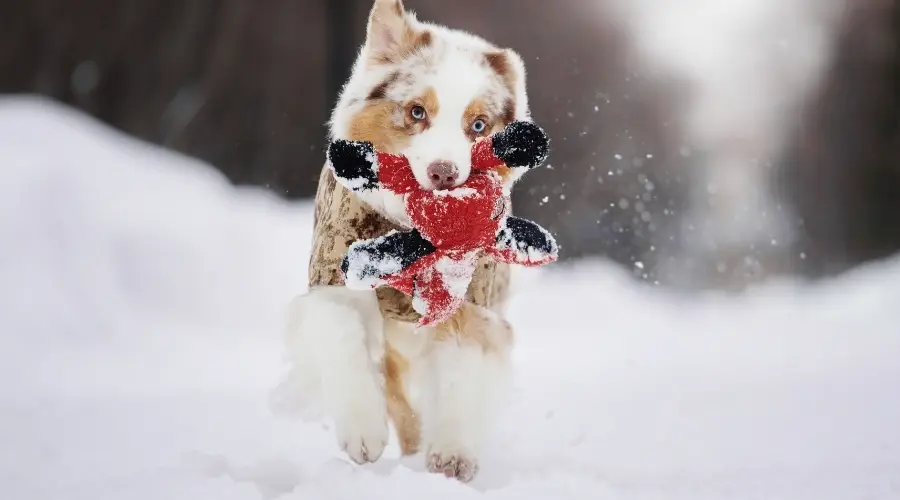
(509, 112)
(421, 41)
(380, 92)
(427, 100)
(375, 123)
(406, 421)
(500, 62)
(506, 173)
(495, 122)
(388, 125)
(476, 110)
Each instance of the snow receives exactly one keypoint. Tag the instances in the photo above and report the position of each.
(457, 272)
(458, 192)
(356, 183)
(141, 301)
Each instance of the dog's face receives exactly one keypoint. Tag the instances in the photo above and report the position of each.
(429, 92)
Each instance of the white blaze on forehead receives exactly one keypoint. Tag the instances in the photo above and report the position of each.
(458, 78)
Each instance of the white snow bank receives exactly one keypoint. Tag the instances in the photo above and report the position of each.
(139, 339)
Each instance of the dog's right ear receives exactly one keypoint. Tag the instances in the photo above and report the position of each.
(389, 30)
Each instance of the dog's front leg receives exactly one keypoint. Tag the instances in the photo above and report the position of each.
(466, 376)
(339, 334)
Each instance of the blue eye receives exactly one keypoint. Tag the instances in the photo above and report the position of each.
(479, 126)
(417, 113)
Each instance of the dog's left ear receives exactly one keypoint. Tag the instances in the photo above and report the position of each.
(389, 30)
(510, 68)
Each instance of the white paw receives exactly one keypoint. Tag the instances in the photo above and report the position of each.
(362, 430)
(454, 465)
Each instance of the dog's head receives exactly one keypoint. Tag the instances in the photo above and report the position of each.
(429, 92)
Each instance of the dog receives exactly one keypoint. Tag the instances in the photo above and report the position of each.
(427, 92)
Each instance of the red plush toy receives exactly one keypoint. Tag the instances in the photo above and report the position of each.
(435, 261)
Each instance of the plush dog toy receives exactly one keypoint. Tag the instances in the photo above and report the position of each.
(435, 261)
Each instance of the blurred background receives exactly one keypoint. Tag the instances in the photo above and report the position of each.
(708, 144)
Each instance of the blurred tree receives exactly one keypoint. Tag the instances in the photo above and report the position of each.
(842, 170)
(237, 83)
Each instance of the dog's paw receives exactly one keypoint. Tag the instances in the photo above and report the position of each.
(362, 431)
(454, 465)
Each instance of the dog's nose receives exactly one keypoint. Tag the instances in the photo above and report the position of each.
(442, 174)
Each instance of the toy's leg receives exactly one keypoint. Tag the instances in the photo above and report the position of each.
(440, 290)
(521, 241)
(369, 262)
(335, 345)
(432, 299)
(465, 378)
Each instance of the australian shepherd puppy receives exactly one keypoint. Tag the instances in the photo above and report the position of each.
(427, 92)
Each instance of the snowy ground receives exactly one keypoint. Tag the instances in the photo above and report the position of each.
(140, 298)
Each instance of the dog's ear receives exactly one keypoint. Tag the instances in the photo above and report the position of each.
(389, 30)
(510, 67)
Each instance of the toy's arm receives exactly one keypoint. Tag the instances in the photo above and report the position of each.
(379, 261)
(358, 167)
(520, 144)
(521, 241)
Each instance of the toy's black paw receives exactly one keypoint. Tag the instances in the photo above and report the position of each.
(368, 262)
(522, 144)
(521, 241)
(353, 164)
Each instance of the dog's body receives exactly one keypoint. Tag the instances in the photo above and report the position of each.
(426, 92)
